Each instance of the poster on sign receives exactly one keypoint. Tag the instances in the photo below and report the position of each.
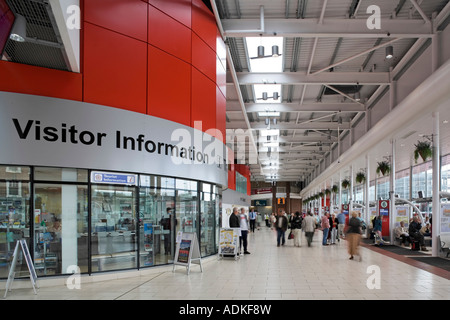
(229, 242)
(445, 218)
(187, 251)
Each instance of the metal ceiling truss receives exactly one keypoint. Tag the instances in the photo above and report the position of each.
(320, 123)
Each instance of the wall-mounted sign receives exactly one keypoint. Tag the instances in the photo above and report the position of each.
(44, 131)
(114, 178)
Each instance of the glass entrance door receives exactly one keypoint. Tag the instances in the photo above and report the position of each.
(156, 221)
(113, 228)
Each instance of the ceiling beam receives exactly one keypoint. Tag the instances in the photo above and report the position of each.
(301, 78)
(233, 107)
(331, 27)
(292, 125)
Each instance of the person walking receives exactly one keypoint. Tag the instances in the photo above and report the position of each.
(296, 226)
(252, 218)
(309, 227)
(281, 225)
(354, 235)
(377, 229)
(341, 225)
(243, 223)
(325, 224)
(333, 228)
(234, 222)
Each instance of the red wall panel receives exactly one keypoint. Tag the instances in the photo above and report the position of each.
(221, 64)
(21, 78)
(161, 57)
(169, 87)
(204, 23)
(128, 17)
(115, 69)
(203, 57)
(203, 105)
(180, 10)
(168, 34)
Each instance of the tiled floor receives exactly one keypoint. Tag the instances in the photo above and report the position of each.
(269, 272)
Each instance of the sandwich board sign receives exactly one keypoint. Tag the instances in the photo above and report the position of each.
(187, 251)
(229, 242)
(12, 271)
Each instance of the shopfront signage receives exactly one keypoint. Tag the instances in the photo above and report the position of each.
(113, 178)
(44, 131)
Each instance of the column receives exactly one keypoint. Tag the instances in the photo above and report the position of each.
(392, 212)
(367, 188)
(350, 191)
(436, 230)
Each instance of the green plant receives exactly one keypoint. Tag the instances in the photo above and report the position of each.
(383, 167)
(321, 194)
(335, 189)
(424, 150)
(345, 183)
(360, 177)
(327, 192)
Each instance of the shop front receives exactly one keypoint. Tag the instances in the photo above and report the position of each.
(102, 189)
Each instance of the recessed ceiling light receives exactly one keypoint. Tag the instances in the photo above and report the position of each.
(269, 114)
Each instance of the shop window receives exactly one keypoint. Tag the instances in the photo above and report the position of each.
(60, 228)
(60, 174)
(207, 222)
(157, 223)
(113, 237)
(14, 173)
(14, 221)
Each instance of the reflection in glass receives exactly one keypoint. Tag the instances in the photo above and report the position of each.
(113, 237)
(14, 221)
(156, 223)
(60, 228)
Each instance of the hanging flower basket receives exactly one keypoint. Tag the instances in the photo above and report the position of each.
(321, 194)
(360, 177)
(384, 168)
(335, 189)
(327, 192)
(424, 150)
(345, 183)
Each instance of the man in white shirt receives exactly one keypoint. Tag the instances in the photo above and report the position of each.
(244, 230)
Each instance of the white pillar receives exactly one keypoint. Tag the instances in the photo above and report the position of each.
(367, 187)
(350, 191)
(436, 187)
(340, 191)
(392, 212)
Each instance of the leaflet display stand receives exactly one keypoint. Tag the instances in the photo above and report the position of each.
(12, 271)
(229, 243)
(187, 251)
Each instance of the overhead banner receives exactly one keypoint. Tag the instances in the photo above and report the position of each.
(36, 130)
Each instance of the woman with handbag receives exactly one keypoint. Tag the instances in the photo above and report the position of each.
(296, 228)
(353, 235)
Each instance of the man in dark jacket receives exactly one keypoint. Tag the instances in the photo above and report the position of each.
(414, 232)
(281, 224)
(234, 219)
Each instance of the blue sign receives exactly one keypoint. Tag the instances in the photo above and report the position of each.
(115, 178)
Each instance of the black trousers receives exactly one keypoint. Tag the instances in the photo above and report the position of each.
(252, 225)
(243, 239)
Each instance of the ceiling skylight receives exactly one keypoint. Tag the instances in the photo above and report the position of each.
(266, 93)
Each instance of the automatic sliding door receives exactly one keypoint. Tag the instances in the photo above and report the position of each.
(113, 227)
